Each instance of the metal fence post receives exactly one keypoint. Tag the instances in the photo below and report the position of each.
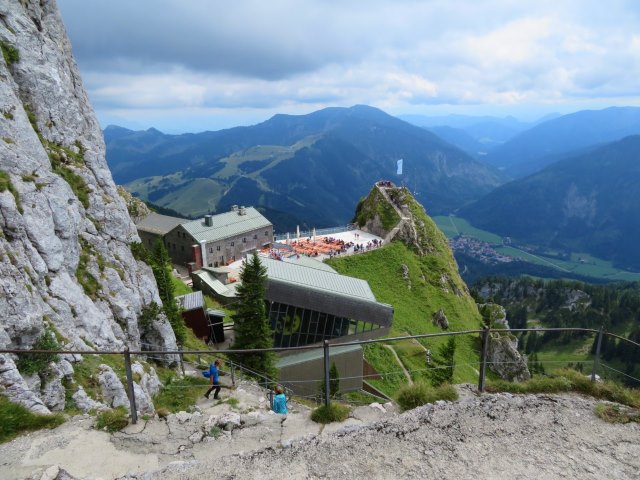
(233, 375)
(483, 357)
(326, 373)
(181, 359)
(132, 396)
(596, 359)
(270, 399)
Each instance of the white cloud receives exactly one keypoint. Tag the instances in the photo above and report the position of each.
(226, 58)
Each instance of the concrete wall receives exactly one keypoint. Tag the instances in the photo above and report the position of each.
(308, 375)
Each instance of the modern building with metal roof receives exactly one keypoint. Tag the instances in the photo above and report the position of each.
(308, 304)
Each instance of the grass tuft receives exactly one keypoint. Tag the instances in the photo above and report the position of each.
(15, 419)
(420, 393)
(335, 412)
(567, 380)
(179, 394)
(617, 414)
(112, 420)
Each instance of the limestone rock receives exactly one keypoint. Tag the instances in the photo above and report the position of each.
(113, 392)
(53, 392)
(439, 319)
(55, 236)
(229, 421)
(85, 403)
(149, 381)
(13, 386)
(504, 359)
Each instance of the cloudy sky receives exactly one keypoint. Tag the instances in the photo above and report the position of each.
(193, 65)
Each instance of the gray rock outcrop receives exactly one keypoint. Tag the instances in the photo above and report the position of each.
(65, 260)
(439, 319)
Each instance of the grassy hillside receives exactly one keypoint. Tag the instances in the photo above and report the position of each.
(417, 286)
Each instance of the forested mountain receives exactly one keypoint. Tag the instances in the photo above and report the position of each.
(308, 169)
(588, 203)
(552, 140)
(555, 304)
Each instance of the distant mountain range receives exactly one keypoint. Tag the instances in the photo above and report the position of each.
(476, 135)
(587, 203)
(568, 135)
(309, 170)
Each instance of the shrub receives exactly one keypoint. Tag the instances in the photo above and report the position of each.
(17, 419)
(334, 412)
(10, 53)
(5, 184)
(180, 394)
(112, 420)
(30, 363)
(420, 393)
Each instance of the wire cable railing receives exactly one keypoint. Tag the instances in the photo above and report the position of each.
(242, 373)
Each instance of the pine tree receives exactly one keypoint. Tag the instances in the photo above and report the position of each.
(443, 364)
(161, 266)
(251, 326)
(334, 382)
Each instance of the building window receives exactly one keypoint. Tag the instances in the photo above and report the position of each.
(233, 243)
(255, 236)
(211, 264)
(210, 249)
(218, 248)
(244, 240)
(266, 233)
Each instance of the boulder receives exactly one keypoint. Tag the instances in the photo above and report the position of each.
(439, 319)
(113, 392)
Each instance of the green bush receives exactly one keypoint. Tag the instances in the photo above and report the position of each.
(10, 53)
(30, 363)
(5, 184)
(15, 419)
(420, 393)
(113, 420)
(180, 394)
(335, 412)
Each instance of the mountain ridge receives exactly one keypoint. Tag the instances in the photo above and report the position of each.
(317, 165)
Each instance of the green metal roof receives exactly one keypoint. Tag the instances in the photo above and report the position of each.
(159, 224)
(226, 225)
(314, 278)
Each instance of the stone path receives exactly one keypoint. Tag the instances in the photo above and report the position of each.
(212, 430)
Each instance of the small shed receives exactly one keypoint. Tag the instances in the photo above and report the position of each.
(194, 314)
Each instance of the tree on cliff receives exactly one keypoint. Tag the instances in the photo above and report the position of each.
(441, 370)
(161, 266)
(251, 326)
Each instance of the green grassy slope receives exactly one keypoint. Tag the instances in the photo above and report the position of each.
(434, 284)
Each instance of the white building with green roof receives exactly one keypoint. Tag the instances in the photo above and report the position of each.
(211, 241)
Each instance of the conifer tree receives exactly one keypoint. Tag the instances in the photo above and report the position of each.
(251, 325)
(443, 364)
(161, 266)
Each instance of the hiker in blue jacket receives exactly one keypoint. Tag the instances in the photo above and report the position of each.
(213, 378)
(280, 401)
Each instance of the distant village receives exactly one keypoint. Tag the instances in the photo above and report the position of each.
(479, 250)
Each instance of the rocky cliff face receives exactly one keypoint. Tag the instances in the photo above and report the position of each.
(65, 261)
